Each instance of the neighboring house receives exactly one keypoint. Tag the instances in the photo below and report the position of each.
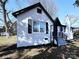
(75, 32)
(75, 29)
(64, 28)
(35, 26)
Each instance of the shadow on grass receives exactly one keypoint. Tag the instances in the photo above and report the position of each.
(53, 54)
(14, 47)
(20, 51)
(62, 52)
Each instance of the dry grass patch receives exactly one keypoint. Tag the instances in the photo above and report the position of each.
(76, 43)
(6, 41)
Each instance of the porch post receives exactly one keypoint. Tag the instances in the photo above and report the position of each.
(55, 33)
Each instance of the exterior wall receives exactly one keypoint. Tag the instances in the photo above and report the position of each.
(36, 38)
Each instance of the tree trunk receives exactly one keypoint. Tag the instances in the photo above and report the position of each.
(5, 20)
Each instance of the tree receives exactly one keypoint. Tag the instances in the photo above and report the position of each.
(72, 19)
(3, 4)
(5, 13)
(76, 3)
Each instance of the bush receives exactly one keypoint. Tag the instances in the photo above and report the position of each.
(76, 35)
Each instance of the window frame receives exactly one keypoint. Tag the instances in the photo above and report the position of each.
(30, 26)
(39, 10)
(36, 25)
(47, 27)
(44, 26)
(39, 27)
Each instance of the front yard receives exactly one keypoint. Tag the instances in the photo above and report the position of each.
(8, 50)
(7, 41)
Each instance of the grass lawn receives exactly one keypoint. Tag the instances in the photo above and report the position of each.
(6, 41)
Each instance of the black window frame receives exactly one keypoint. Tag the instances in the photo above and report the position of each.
(29, 26)
(47, 29)
(39, 10)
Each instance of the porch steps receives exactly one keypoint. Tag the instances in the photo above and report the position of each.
(62, 41)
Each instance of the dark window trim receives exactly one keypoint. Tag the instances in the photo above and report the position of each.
(29, 26)
(39, 10)
(47, 30)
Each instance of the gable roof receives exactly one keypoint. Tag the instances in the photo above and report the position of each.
(57, 21)
(31, 7)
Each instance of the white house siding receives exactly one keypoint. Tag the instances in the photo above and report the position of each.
(36, 38)
(58, 31)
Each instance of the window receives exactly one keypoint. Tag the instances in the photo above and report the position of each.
(39, 10)
(47, 30)
(29, 26)
(39, 26)
(42, 26)
(36, 26)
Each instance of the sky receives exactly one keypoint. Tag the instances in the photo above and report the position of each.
(64, 7)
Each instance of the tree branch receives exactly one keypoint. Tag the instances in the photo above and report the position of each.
(76, 3)
(5, 1)
(1, 12)
(8, 12)
(0, 9)
(1, 1)
(8, 17)
(1, 20)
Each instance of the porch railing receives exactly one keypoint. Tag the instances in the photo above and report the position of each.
(61, 35)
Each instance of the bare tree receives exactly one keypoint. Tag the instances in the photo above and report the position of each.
(4, 12)
(72, 19)
(3, 4)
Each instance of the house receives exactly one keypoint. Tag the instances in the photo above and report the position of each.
(75, 29)
(35, 26)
